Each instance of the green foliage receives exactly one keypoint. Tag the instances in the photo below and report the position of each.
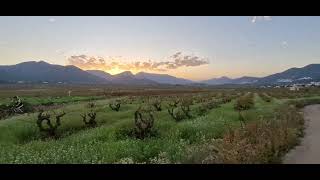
(261, 141)
(91, 105)
(202, 110)
(16, 106)
(242, 119)
(156, 103)
(265, 97)
(185, 106)
(144, 121)
(304, 102)
(115, 105)
(112, 141)
(177, 113)
(226, 99)
(50, 130)
(212, 104)
(174, 102)
(244, 103)
(4, 111)
(92, 119)
(27, 107)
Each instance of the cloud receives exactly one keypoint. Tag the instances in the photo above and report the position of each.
(284, 44)
(175, 61)
(52, 20)
(260, 18)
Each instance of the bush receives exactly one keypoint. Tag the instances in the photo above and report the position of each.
(304, 102)
(4, 111)
(91, 105)
(174, 103)
(226, 99)
(51, 129)
(17, 106)
(115, 105)
(177, 113)
(92, 119)
(28, 108)
(244, 103)
(144, 121)
(262, 141)
(156, 103)
(265, 97)
(212, 104)
(185, 106)
(202, 109)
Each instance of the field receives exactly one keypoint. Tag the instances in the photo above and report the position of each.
(174, 125)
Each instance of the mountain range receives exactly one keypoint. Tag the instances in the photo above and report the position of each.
(41, 71)
(307, 73)
(226, 80)
(35, 72)
(125, 78)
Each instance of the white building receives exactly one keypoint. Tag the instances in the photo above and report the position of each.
(294, 88)
(317, 83)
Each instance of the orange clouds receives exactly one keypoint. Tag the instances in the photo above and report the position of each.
(175, 61)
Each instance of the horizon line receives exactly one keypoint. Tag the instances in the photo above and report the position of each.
(217, 77)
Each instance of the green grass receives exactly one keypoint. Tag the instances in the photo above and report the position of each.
(20, 140)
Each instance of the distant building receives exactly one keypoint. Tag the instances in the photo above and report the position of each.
(284, 80)
(315, 83)
(294, 88)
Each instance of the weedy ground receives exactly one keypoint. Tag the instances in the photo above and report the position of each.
(21, 141)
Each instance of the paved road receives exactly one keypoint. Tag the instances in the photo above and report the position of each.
(308, 152)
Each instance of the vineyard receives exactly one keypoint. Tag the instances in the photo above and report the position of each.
(211, 126)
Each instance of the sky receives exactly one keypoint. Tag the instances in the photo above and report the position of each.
(192, 47)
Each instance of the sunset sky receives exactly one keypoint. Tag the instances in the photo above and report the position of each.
(196, 48)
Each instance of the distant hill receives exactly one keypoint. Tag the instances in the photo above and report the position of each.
(217, 81)
(128, 78)
(307, 73)
(226, 80)
(124, 78)
(163, 78)
(41, 71)
(101, 74)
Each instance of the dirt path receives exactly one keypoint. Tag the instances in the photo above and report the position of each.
(308, 152)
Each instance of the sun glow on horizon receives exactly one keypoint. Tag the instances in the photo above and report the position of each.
(114, 71)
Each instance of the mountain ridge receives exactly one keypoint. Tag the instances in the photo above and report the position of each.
(163, 78)
(41, 71)
(125, 78)
(33, 71)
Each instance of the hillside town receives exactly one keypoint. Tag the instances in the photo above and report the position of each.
(295, 86)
